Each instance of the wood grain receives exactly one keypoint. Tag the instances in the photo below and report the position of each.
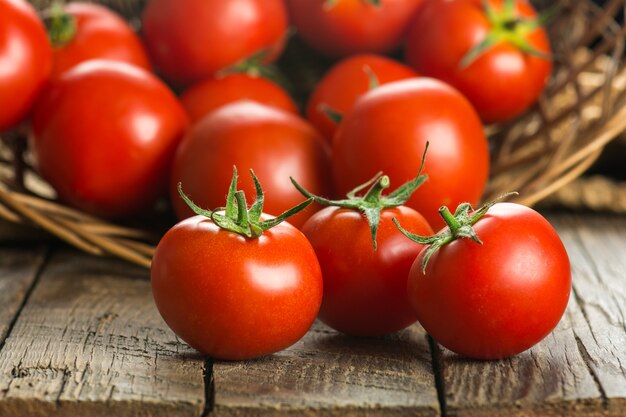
(578, 370)
(328, 374)
(89, 342)
(597, 249)
(19, 267)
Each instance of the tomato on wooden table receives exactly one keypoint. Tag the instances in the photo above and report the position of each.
(234, 287)
(272, 142)
(25, 60)
(212, 93)
(497, 298)
(495, 52)
(365, 260)
(189, 40)
(344, 27)
(346, 81)
(387, 130)
(104, 135)
(84, 31)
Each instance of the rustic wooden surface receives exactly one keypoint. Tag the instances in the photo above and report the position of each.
(80, 336)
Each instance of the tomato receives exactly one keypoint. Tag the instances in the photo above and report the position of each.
(364, 289)
(387, 130)
(104, 135)
(189, 40)
(443, 34)
(95, 32)
(498, 298)
(274, 143)
(347, 80)
(25, 60)
(233, 296)
(345, 27)
(206, 96)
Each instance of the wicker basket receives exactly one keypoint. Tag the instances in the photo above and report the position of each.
(582, 110)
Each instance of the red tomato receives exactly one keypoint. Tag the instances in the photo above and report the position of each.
(208, 95)
(445, 31)
(274, 143)
(99, 34)
(25, 60)
(346, 81)
(190, 40)
(344, 27)
(364, 289)
(232, 297)
(497, 299)
(387, 130)
(104, 135)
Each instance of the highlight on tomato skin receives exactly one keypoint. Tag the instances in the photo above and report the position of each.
(224, 33)
(83, 31)
(345, 82)
(104, 155)
(237, 284)
(26, 57)
(272, 142)
(205, 96)
(467, 42)
(496, 291)
(387, 130)
(338, 28)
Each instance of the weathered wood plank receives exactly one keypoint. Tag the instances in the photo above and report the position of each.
(89, 342)
(597, 247)
(18, 269)
(328, 374)
(578, 370)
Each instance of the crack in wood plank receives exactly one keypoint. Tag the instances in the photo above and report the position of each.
(89, 341)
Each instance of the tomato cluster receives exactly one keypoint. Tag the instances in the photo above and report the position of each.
(119, 120)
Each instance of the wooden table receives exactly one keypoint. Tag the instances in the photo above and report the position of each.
(80, 336)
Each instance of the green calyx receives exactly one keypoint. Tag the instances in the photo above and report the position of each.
(236, 216)
(372, 202)
(459, 225)
(61, 25)
(255, 66)
(507, 26)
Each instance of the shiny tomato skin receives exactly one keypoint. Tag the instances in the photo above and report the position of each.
(249, 135)
(365, 289)
(25, 60)
(189, 40)
(497, 299)
(444, 31)
(236, 298)
(100, 34)
(207, 95)
(346, 81)
(387, 130)
(352, 26)
(104, 136)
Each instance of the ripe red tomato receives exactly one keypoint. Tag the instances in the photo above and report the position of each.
(346, 81)
(98, 33)
(497, 299)
(444, 32)
(104, 135)
(189, 40)
(387, 130)
(274, 143)
(344, 27)
(206, 96)
(364, 289)
(25, 60)
(233, 294)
